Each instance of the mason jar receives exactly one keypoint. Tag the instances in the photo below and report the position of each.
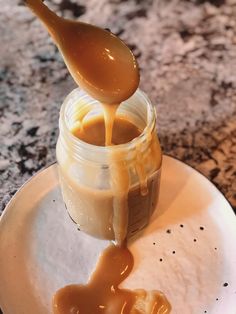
(85, 170)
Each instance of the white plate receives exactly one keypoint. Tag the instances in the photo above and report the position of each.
(41, 249)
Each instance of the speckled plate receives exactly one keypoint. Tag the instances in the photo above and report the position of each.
(188, 251)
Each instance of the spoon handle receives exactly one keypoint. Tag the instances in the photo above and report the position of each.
(47, 17)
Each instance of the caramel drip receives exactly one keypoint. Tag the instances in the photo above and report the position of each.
(78, 119)
(147, 161)
(102, 294)
(109, 118)
(120, 184)
(140, 169)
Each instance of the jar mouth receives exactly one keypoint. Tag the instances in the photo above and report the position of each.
(75, 141)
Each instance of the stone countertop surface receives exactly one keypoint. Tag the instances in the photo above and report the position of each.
(187, 55)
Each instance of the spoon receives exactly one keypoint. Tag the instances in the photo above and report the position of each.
(97, 59)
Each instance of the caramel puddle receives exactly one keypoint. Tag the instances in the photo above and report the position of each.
(102, 294)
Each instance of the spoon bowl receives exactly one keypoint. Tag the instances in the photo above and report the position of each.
(98, 60)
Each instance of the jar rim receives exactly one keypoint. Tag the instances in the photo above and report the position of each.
(150, 125)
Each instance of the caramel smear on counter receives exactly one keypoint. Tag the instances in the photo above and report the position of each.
(106, 69)
(102, 293)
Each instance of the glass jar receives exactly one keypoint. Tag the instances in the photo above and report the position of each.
(86, 170)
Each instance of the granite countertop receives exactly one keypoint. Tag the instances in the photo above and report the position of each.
(187, 55)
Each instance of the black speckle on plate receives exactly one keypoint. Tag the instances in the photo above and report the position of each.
(154, 243)
(201, 228)
(194, 240)
(225, 284)
(168, 231)
(160, 259)
(173, 252)
(181, 226)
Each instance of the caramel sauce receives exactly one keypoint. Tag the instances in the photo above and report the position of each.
(106, 69)
(93, 131)
(102, 293)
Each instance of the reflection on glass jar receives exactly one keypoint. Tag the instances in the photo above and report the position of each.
(110, 192)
